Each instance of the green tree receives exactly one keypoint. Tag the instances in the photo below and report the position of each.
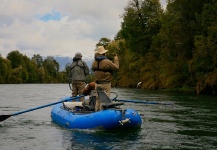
(103, 42)
(204, 62)
(51, 69)
(16, 59)
(141, 21)
(18, 66)
(175, 44)
(5, 71)
(38, 60)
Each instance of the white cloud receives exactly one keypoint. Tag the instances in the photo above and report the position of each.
(78, 27)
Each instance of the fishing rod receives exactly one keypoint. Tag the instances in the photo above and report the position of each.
(139, 101)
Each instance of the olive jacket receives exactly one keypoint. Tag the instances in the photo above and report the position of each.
(78, 70)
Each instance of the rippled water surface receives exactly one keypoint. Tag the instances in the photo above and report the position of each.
(190, 123)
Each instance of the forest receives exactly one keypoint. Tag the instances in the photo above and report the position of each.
(172, 48)
(18, 68)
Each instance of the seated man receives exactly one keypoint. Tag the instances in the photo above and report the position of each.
(90, 90)
(98, 99)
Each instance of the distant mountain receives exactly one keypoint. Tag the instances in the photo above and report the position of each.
(63, 60)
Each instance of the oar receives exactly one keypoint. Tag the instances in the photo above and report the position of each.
(4, 117)
(142, 101)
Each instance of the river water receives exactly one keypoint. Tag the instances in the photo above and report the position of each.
(190, 123)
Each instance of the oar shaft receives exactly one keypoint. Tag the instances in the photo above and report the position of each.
(39, 107)
(25, 111)
(4, 117)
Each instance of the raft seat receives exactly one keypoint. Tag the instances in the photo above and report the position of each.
(106, 101)
(91, 105)
(72, 105)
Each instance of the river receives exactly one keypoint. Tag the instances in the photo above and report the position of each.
(189, 123)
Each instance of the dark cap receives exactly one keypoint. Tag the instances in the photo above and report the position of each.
(78, 55)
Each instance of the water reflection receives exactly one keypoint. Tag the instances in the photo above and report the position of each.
(102, 139)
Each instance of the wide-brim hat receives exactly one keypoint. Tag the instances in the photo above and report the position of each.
(101, 50)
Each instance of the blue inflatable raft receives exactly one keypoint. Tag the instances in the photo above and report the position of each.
(76, 115)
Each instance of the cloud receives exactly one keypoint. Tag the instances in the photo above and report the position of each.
(54, 27)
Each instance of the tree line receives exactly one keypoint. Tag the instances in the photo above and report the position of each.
(175, 48)
(18, 68)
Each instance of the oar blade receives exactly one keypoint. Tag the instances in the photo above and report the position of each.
(4, 117)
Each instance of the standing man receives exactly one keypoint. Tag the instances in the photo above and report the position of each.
(78, 73)
(103, 69)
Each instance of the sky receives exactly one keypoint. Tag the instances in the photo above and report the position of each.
(58, 27)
